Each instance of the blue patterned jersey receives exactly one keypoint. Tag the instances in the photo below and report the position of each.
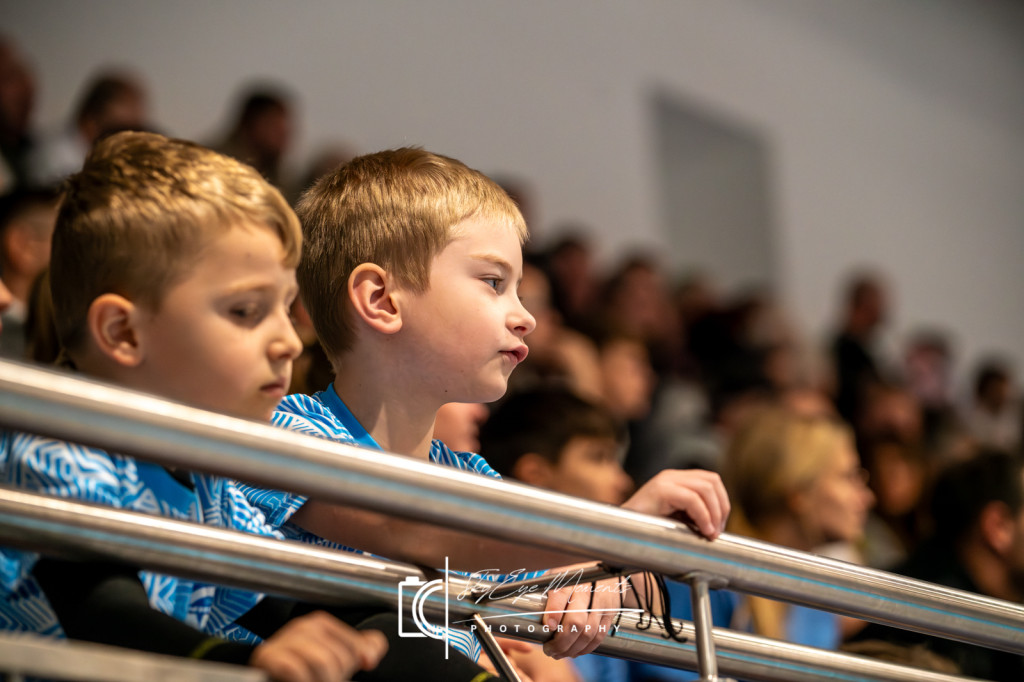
(45, 465)
(325, 415)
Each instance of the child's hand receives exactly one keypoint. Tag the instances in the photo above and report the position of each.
(590, 609)
(694, 496)
(318, 648)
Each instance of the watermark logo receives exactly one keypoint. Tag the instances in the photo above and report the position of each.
(414, 593)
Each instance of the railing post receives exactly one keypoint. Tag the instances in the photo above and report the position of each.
(700, 602)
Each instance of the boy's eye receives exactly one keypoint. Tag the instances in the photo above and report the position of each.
(246, 312)
(493, 282)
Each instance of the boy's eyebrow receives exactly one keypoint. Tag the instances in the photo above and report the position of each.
(494, 260)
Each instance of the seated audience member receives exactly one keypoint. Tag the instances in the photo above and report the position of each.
(17, 102)
(26, 228)
(856, 360)
(112, 101)
(899, 476)
(574, 282)
(551, 438)
(995, 416)
(796, 481)
(186, 240)
(261, 133)
(978, 546)
(410, 268)
(557, 352)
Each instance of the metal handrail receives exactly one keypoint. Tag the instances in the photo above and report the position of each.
(32, 657)
(63, 406)
(84, 531)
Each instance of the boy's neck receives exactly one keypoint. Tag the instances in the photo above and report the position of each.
(398, 424)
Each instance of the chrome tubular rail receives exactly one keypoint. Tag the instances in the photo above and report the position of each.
(54, 404)
(75, 530)
(33, 657)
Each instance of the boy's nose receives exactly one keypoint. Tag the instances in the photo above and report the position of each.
(288, 345)
(523, 322)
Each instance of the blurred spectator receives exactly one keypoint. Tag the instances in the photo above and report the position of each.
(899, 475)
(794, 481)
(551, 438)
(977, 546)
(556, 351)
(994, 416)
(112, 101)
(17, 102)
(574, 283)
(627, 377)
(857, 366)
(927, 370)
(636, 299)
(27, 219)
(890, 409)
(458, 425)
(261, 132)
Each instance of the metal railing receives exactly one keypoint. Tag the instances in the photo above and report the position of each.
(73, 408)
(75, 530)
(24, 657)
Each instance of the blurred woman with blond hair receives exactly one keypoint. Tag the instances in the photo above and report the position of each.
(794, 481)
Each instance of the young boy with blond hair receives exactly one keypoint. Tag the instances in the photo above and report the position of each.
(410, 270)
(172, 273)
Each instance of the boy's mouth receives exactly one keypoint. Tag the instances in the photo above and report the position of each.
(279, 386)
(517, 354)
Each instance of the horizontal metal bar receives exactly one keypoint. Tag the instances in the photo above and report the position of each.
(36, 657)
(73, 408)
(76, 530)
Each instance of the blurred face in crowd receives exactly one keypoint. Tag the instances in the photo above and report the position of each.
(628, 378)
(589, 468)
(458, 425)
(835, 507)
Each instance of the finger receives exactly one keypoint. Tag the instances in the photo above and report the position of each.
(375, 645)
(556, 604)
(572, 624)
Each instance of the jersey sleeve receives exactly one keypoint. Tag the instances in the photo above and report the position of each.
(58, 468)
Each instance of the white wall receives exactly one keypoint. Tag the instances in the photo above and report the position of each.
(896, 128)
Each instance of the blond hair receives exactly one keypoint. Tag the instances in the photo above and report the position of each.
(134, 219)
(396, 209)
(775, 454)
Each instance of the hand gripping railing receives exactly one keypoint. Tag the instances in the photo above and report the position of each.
(81, 531)
(77, 409)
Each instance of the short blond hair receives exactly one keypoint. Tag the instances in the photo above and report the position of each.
(134, 219)
(396, 209)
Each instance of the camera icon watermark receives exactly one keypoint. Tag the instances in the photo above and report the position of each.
(421, 591)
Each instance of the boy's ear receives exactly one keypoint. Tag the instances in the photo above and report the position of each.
(371, 290)
(535, 470)
(112, 321)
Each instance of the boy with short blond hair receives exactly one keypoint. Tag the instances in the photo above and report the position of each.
(410, 272)
(172, 273)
